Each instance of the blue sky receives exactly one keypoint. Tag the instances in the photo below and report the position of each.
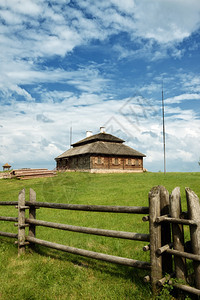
(85, 64)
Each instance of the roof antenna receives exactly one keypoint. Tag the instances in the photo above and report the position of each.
(163, 115)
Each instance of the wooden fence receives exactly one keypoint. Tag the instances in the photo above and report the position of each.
(165, 237)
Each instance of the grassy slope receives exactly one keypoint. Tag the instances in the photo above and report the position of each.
(49, 274)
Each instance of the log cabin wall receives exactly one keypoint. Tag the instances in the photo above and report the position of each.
(116, 163)
(74, 163)
(87, 162)
(61, 164)
(81, 162)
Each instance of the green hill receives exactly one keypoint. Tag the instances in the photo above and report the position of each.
(51, 274)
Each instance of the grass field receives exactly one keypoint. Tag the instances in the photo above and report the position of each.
(50, 274)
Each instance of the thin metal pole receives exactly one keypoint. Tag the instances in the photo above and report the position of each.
(70, 141)
(163, 113)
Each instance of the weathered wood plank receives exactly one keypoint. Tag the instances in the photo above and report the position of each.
(92, 254)
(165, 231)
(32, 215)
(95, 231)
(163, 248)
(12, 203)
(9, 219)
(21, 221)
(177, 233)
(175, 221)
(184, 254)
(165, 279)
(194, 214)
(155, 237)
(94, 208)
(18, 171)
(187, 289)
(8, 234)
(32, 173)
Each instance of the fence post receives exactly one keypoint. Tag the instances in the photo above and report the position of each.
(165, 230)
(32, 215)
(177, 233)
(21, 222)
(155, 237)
(194, 214)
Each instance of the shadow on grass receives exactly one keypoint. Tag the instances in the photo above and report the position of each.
(134, 275)
(120, 279)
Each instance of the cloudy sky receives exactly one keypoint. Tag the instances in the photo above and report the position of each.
(85, 64)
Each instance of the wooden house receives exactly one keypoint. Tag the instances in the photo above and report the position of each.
(102, 153)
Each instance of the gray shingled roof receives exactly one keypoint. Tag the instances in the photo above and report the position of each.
(99, 137)
(101, 147)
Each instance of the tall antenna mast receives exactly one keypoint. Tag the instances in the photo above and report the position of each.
(163, 114)
(70, 136)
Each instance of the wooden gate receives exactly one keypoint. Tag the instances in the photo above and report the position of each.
(168, 250)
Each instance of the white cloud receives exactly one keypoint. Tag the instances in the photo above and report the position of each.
(27, 7)
(40, 131)
(145, 50)
(168, 20)
(126, 6)
(191, 82)
(33, 33)
(180, 98)
(164, 21)
(86, 78)
(33, 30)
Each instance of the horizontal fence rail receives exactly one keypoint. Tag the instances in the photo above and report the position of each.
(22, 222)
(94, 208)
(9, 219)
(95, 231)
(8, 234)
(175, 221)
(8, 203)
(184, 254)
(187, 289)
(96, 255)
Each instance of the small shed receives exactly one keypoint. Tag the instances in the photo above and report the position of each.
(6, 167)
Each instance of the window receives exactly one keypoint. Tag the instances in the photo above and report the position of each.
(99, 160)
(131, 161)
(115, 161)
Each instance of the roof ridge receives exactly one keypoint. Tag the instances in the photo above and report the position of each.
(99, 137)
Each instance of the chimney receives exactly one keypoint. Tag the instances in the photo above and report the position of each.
(102, 130)
(88, 133)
